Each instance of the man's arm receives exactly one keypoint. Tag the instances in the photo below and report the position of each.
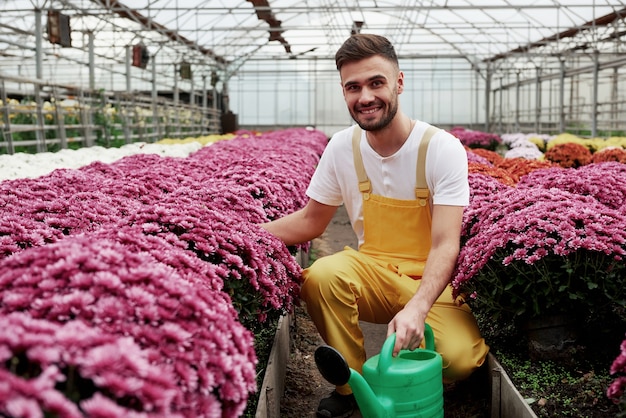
(303, 225)
(408, 324)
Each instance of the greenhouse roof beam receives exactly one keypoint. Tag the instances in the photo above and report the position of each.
(131, 14)
(264, 12)
(224, 35)
(378, 8)
(569, 33)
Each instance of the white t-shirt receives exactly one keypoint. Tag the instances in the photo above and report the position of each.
(335, 180)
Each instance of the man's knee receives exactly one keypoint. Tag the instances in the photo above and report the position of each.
(318, 278)
(460, 359)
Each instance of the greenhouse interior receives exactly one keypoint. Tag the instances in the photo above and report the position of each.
(145, 144)
(212, 66)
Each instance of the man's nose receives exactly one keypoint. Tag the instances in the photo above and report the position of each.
(367, 96)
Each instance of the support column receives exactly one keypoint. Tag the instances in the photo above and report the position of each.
(6, 129)
(517, 101)
(39, 133)
(614, 99)
(129, 60)
(476, 98)
(562, 98)
(192, 106)
(176, 103)
(538, 100)
(594, 96)
(92, 63)
(156, 122)
(38, 44)
(487, 97)
(500, 104)
(204, 106)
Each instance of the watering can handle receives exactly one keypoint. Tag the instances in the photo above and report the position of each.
(386, 353)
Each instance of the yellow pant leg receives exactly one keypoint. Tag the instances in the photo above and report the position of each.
(341, 289)
(457, 337)
(338, 291)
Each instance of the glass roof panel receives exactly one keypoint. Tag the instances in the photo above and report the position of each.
(228, 33)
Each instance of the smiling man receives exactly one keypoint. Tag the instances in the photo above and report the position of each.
(404, 185)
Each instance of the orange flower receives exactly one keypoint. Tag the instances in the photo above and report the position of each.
(492, 156)
(569, 155)
(518, 167)
(499, 174)
(609, 154)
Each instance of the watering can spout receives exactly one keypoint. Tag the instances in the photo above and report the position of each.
(370, 405)
(335, 369)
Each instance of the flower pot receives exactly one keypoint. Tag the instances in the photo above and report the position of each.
(551, 337)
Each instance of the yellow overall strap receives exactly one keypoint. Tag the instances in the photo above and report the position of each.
(365, 186)
(421, 186)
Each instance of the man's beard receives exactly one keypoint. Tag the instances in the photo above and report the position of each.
(382, 123)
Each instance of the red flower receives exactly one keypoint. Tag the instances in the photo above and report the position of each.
(491, 156)
(518, 167)
(569, 155)
(499, 174)
(609, 154)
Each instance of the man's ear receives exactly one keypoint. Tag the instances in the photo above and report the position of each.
(400, 82)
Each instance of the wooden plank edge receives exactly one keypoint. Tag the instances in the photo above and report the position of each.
(273, 385)
(506, 401)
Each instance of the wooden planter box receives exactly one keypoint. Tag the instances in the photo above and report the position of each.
(273, 385)
(506, 401)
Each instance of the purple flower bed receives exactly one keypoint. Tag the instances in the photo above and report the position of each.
(555, 243)
(259, 271)
(127, 286)
(476, 139)
(150, 339)
(606, 182)
(531, 240)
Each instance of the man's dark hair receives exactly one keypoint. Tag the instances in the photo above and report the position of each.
(361, 46)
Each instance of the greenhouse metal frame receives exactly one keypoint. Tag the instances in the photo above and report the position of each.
(78, 73)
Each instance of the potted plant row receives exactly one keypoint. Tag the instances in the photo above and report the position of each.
(131, 288)
(543, 248)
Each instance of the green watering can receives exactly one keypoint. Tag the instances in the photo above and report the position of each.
(409, 385)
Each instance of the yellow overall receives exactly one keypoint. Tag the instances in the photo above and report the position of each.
(375, 282)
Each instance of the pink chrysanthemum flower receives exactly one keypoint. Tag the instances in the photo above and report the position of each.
(523, 240)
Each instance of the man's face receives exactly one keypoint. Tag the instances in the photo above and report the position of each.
(371, 88)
